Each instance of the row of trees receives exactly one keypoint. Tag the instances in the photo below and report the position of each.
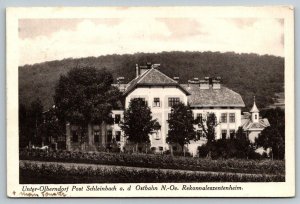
(86, 96)
(38, 127)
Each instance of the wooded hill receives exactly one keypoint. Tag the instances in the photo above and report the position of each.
(247, 74)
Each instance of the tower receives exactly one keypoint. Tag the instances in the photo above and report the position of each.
(254, 112)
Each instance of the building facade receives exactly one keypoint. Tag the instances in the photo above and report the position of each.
(160, 92)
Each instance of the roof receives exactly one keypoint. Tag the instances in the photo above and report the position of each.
(254, 109)
(213, 97)
(153, 77)
(247, 124)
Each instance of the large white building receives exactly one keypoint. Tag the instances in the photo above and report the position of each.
(160, 92)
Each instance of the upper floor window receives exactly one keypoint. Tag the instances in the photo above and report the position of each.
(173, 101)
(231, 117)
(199, 134)
(117, 118)
(143, 99)
(255, 116)
(156, 102)
(199, 117)
(224, 118)
(156, 135)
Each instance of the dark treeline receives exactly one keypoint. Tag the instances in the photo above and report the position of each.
(247, 74)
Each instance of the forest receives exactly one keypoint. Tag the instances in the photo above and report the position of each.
(248, 74)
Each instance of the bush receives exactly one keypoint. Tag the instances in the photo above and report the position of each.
(158, 161)
(203, 151)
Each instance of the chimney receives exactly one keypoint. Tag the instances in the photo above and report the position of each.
(204, 83)
(137, 70)
(121, 85)
(145, 68)
(216, 83)
(194, 81)
(176, 79)
(154, 66)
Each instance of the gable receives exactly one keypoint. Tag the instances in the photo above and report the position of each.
(153, 77)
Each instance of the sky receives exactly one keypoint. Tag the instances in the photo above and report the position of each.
(43, 40)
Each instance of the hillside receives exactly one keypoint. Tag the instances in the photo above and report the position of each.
(247, 74)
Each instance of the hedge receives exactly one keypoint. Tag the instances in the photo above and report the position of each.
(159, 161)
(58, 174)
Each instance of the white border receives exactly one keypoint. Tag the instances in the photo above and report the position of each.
(285, 189)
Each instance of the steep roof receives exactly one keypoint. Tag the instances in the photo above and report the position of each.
(254, 109)
(153, 77)
(213, 97)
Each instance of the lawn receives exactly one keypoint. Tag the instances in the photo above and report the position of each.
(31, 173)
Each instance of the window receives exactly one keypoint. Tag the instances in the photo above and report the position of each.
(118, 136)
(255, 116)
(199, 134)
(156, 135)
(144, 100)
(224, 118)
(156, 102)
(117, 118)
(199, 117)
(74, 136)
(232, 132)
(224, 134)
(96, 136)
(109, 135)
(231, 117)
(173, 101)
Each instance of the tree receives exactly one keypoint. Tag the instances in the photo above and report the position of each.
(85, 96)
(51, 128)
(274, 136)
(138, 122)
(181, 125)
(242, 144)
(30, 120)
(208, 125)
(24, 133)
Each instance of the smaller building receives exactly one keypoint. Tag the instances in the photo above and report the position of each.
(253, 124)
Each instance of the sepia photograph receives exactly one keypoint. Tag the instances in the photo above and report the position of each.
(150, 96)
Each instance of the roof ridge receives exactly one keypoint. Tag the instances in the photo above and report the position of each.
(167, 76)
(144, 75)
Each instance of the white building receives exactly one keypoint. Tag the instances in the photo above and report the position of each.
(161, 92)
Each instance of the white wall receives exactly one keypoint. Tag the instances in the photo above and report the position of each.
(222, 126)
(159, 113)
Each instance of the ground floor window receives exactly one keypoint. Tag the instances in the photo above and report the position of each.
(109, 136)
(96, 136)
(74, 136)
(118, 136)
(232, 132)
(224, 134)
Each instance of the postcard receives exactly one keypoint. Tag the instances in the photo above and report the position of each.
(150, 102)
